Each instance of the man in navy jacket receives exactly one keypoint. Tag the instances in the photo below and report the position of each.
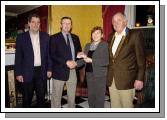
(64, 48)
(32, 61)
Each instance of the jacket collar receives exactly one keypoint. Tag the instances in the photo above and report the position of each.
(122, 43)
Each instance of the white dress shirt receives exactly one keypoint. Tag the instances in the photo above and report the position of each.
(36, 48)
(117, 40)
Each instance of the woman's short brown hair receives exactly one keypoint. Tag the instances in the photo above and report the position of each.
(96, 28)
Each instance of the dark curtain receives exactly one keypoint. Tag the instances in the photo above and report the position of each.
(107, 13)
(44, 24)
(42, 11)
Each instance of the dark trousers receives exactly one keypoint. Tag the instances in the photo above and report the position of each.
(96, 90)
(36, 84)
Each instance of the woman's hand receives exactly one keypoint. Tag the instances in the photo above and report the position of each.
(81, 55)
(88, 60)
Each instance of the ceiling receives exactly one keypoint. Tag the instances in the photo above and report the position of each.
(14, 10)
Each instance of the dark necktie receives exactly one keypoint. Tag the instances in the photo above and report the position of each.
(68, 44)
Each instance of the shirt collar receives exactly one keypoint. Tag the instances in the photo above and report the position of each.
(65, 33)
(32, 33)
(123, 33)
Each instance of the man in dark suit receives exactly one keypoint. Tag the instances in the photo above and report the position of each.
(32, 61)
(64, 48)
(126, 63)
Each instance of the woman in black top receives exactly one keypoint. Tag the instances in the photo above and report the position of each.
(96, 59)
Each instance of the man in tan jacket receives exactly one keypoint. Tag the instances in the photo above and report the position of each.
(127, 63)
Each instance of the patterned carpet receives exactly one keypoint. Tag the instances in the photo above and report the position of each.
(80, 102)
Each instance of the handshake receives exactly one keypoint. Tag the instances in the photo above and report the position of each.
(72, 64)
(84, 56)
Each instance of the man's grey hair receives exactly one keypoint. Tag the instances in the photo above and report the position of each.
(122, 14)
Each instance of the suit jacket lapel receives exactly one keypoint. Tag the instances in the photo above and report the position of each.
(64, 41)
(111, 44)
(29, 42)
(41, 45)
(97, 49)
(119, 47)
(74, 43)
(122, 43)
(87, 49)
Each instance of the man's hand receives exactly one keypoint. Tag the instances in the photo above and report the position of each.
(49, 74)
(19, 78)
(138, 84)
(71, 64)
